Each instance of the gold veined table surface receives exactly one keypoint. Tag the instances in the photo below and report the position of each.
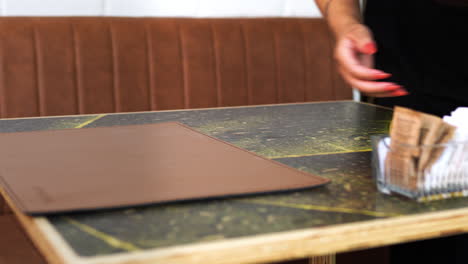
(331, 139)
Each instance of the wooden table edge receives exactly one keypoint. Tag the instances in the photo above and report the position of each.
(304, 243)
(194, 109)
(265, 247)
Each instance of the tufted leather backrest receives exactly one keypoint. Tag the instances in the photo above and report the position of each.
(82, 65)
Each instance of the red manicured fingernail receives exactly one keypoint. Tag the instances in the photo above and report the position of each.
(370, 48)
(393, 87)
(400, 93)
(382, 75)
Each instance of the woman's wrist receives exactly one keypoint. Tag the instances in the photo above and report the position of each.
(347, 27)
(341, 15)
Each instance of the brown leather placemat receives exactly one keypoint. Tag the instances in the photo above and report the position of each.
(92, 168)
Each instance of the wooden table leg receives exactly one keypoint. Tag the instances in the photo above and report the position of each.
(4, 208)
(15, 246)
(2, 205)
(380, 255)
(327, 259)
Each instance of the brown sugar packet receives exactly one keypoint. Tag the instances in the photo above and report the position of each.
(401, 170)
(401, 160)
(445, 133)
(406, 126)
(431, 129)
(413, 133)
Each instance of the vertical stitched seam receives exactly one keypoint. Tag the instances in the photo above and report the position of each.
(37, 66)
(113, 47)
(276, 65)
(331, 61)
(184, 67)
(78, 84)
(3, 107)
(217, 70)
(246, 64)
(150, 65)
(304, 62)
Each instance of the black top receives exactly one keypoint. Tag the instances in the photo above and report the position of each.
(423, 43)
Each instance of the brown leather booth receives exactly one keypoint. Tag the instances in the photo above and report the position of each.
(83, 65)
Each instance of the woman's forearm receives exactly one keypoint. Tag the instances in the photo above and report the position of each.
(341, 15)
(354, 49)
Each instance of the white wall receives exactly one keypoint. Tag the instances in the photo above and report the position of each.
(186, 8)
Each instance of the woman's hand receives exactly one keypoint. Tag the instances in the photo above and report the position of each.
(354, 53)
